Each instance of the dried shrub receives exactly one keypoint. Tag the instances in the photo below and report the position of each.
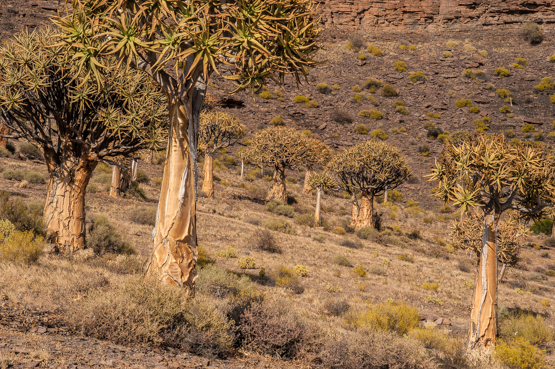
(25, 217)
(532, 33)
(20, 246)
(141, 311)
(355, 43)
(135, 191)
(278, 225)
(342, 261)
(336, 307)
(361, 129)
(406, 257)
(30, 151)
(418, 76)
(247, 262)
(220, 283)
(350, 244)
(323, 88)
(534, 329)
(279, 208)
(340, 116)
(359, 271)
(287, 278)
(142, 177)
(430, 286)
(365, 232)
(393, 317)
(389, 91)
(146, 216)
(104, 238)
(263, 240)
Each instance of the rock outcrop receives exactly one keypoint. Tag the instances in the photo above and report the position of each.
(18, 14)
(433, 14)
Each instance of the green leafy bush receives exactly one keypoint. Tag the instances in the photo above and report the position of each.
(365, 232)
(519, 353)
(400, 66)
(20, 246)
(544, 226)
(361, 129)
(534, 329)
(288, 278)
(502, 72)
(25, 217)
(463, 103)
(379, 133)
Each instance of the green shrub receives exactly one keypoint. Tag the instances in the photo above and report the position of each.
(474, 110)
(361, 129)
(519, 353)
(528, 128)
(203, 257)
(287, 278)
(278, 225)
(379, 133)
(502, 72)
(468, 73)
(276, 121)
(534, 329)
(219, 282)
(546, 84)
(374, 50)
(544, 226)
(20, 246)
(13, 175)
(322, 88)
(389, 91)
(104, 238)
(469, 48)
(417, 76)
(395, 196)
(505, 109)
(25, 217)
(431, 338)
(447, 54)
(335, 87)
(301, 270)
(373, 101)
(311, 104)
(358, 98)
(430, 286)
(146, 216)
(34, 177)
(406, 257)
(306, 220)
(5, 153)
(372, 82)
(356, 88)
(339, 230)
(365, 232)
(532, 33)
(503, 93)
(247, 262)
(279, 208)
(30, 151)
(463, 103)
(400, 66)
(142, 177)
(361, 57)
(342, 261)
(300, 99)
(394, 317)
(484, 53)
(265, 95)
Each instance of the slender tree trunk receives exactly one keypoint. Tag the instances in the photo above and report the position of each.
(317, 216)
(385, 196)
(483, 318)
(242, 169)
(134, 168)
(4, 130)
(115, 187)
(278, 190)
(208, 182)
(306, 188)
(64, 210)
(553, 228)
(355, 210)
(365, 214)
(502, 273)
(174, 254)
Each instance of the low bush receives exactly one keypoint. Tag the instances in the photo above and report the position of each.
(220, 283)
(279, 208)
(339, 231)
(342, 261)
(5, 153)
(350, 244)
(287, 278)
(406, 257)
(322, 88)
(379, 133)
(395, 196)
(365, 232)
(276, 121)
(532, 33)
(359, 271)
(279, 225)
(389, 91)
(135, 191)
(502, 72)
(430, 286)
(341, 117)
(463, 103)
(528, 128)
(19, 246)
(372, 82)
(519, 353)
(447, 54)
(374, 50)
(336, 307)
(30, 151)
(418, 76)
(300, 99)
(393, 317)
(142, 177)
(104, 238)
(505, 109)
(146, 216)
(266, 95)
(247, 262)
(361, 129)
(263, 240)
(24, 217)
(358, 98)
(311, 104)
(400, 66)
(534, 329)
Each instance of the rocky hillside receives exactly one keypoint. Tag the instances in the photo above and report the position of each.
(17, 14)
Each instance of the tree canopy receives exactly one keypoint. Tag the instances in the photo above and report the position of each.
(218, 130)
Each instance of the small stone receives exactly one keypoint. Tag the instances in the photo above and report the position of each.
(439, 321)
(41, 330)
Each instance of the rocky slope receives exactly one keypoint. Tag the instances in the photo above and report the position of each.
(17, 14)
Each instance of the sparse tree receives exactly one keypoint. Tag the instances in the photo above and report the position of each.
(322, 155)
(180, 43)
(240, 154)
(320, 182)
(43, 99)
(370, 168)
(487, 172)
(218, 130)
(280, 148)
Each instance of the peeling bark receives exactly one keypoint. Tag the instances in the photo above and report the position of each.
(365, 216)
(278, 190)
(242, 169)
(64, 210)
(317, 216)
(306, 188)
(134, 168)
(115, 187)
(483, 317)
(174, 255)
(208, 182)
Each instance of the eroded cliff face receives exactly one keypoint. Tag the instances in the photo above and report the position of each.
(18, 14)
(433, 14)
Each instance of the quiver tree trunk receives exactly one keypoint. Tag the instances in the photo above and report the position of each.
(553, 228)
(208, 182)
(355, 209)
(483, 317)
(385, 196)
(4, 130)
(64, 210)
(115, 186)
(306, 188)
(174, 255)
(134, 168)
(278, 190)
(365, 212)
(317, 215)
(242, 168)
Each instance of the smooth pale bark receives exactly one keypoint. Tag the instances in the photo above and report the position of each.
(483, 317)
(385, 196)
(355, 209)
(208, 182)
(278, 190)
(4, 130)
(306, 188)
(242, 168)
(317, 216)
(502, 274)
(64, 210)
(134, 169)
(365, 213)
(174, 255)
(115, 187)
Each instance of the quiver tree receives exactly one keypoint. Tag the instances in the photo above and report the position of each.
(76, 123)
(320, 182)
(369, 168)
(240, 154)
(121, 177)
(280, 148)
(180, 43)
(488, 173)
(468, 235)
(218, 130)
(321, 155)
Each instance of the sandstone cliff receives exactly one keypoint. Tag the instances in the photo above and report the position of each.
(433, 14)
